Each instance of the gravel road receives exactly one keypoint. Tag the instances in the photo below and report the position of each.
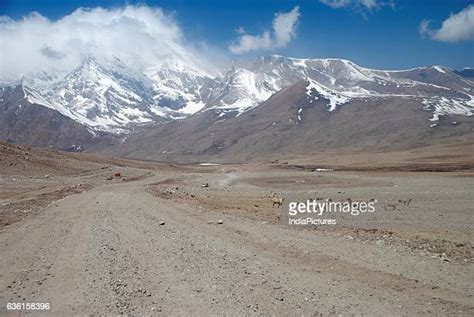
(119, 249)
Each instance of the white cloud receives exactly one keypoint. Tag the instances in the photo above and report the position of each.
(249, 43)
(424, 28)
(140, 34)
(458, 27)
(284, 26)
(283, 31)
(336, 3)
(368, 4)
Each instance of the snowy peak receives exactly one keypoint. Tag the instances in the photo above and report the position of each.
(104, 97)
(116, 95)
(241, 90)
(249, 84)
(110, 95)
(181, 89)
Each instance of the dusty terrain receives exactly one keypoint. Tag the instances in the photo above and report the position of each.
(154, 240)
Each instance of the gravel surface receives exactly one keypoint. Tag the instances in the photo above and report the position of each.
(147, 246)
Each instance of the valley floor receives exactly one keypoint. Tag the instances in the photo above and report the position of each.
(154, 240)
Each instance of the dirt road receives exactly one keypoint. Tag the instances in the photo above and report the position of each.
(107, 251)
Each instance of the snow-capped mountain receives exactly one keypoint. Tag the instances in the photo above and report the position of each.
(22, 120)
(180, 89)
(440, 89)
(100, 97)
(114, 96)
(301, 120)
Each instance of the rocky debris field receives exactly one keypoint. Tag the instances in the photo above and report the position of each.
(180, 240)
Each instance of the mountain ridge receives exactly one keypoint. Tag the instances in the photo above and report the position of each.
(294, 123)
(113, 98)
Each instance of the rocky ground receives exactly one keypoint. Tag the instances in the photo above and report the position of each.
(161, 239)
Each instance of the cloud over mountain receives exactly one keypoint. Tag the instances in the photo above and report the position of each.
(283, 31)
(141, 34)
(458, 27)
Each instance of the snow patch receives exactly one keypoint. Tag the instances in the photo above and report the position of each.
(192, 107)
(441, 106)
(335, 98)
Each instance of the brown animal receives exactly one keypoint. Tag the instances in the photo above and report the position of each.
(278, 201)
(393, 206)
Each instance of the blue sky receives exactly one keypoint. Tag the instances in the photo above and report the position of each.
(386, 36)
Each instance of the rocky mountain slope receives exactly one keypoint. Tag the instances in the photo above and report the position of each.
(296, 121)
(180, 98)
(441, 89)
(24, 121)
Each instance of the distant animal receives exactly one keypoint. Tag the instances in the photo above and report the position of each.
(392, 206)
(278, 201)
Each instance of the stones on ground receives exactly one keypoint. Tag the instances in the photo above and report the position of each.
(161, 223)
(444, 257)
(219, 222)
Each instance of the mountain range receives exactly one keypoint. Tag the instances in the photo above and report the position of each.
(272, 105)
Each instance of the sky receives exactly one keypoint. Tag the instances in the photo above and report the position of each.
(382, 34)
